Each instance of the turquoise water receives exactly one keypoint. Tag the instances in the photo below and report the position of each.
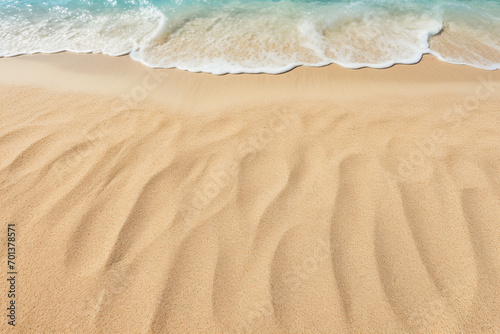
(227, 36)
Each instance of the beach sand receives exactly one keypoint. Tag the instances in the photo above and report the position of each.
(321, 200)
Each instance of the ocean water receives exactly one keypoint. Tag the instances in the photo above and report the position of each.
(253, 36)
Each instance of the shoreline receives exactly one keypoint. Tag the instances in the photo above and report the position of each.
(101, 74)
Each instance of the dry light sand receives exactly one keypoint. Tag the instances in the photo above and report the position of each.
(322, 200)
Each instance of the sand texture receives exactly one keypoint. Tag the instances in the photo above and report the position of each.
(322, 200)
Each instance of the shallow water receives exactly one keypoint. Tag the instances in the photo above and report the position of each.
(225, 36)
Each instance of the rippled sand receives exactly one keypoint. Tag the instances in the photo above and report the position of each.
(322, 200)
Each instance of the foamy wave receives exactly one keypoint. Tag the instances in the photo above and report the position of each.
(253, 37)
